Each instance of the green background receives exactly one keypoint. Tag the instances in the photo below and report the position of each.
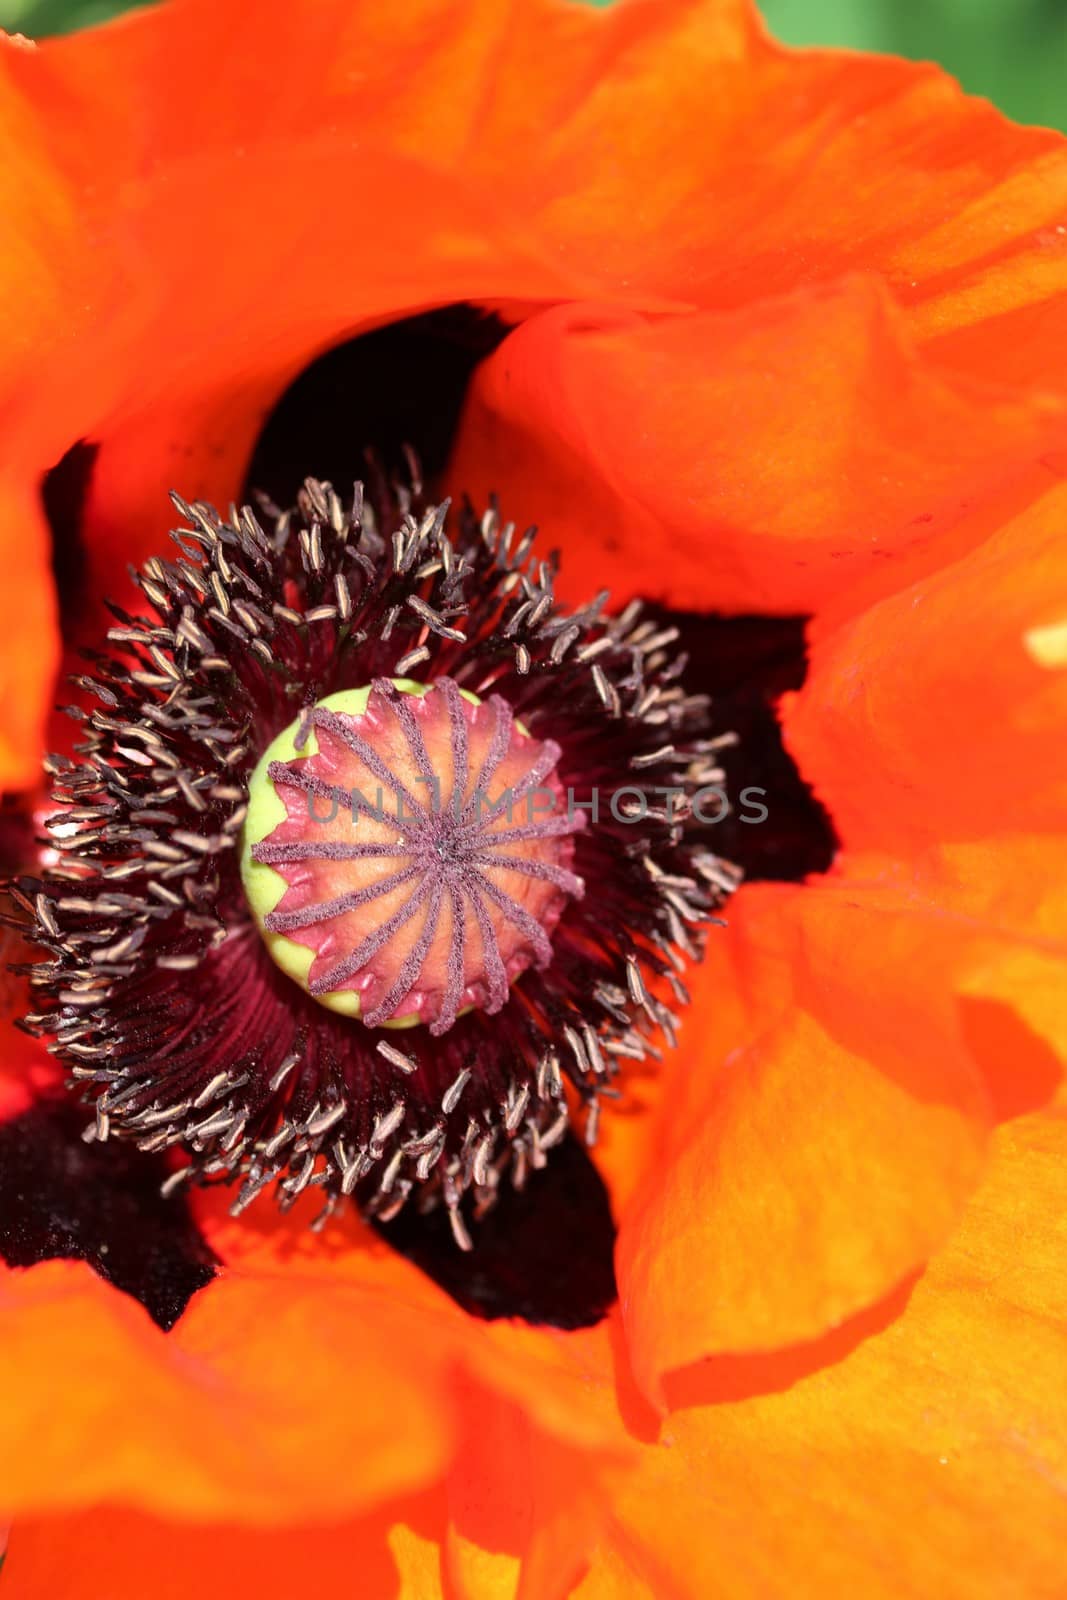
(1014, 51)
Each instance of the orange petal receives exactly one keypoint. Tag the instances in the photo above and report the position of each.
(630, 1133)
(505, 1477)
(920, 1449)
(500, 129)
(816, 1159)
(126, 1555)
(1003, 902)
(524, 1507)
(269, 1404)
(751, 169)
(343, 1372)
(540, 1443)
(230, 248)
(270, 1401)
(757, 459)
(231, 253)
(556, 1377)
(955, 690)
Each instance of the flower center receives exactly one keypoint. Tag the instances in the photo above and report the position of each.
(403, 850)
(407, 852)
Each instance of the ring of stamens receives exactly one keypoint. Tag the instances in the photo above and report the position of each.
(152, 983)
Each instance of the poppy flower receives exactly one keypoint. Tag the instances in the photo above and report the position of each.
(317, 1136)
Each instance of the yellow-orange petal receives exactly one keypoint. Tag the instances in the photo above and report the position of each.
(1002, 903)
(418, 1559)
(763, 458)
(815, 1160)
(1016, 889)
(919, 1449)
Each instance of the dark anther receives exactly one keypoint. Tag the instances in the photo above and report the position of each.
(545, 1252)
(396, 389)
(61, 1198)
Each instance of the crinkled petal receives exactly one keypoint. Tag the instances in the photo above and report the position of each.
(748, 169)
(820, 1143)
(314, 1378)
(190, 236)
(237, 231)
(955, 692)
(762, 458)
(271, 1401)
(919, 1449)
(524, 1511)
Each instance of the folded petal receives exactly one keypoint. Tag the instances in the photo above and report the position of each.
(481, 146)
(252, 1408)
(524, 1508)
(1002, 902)
(255, 1411)
(227, 251)
(313, 1379)
(920, 1448)
(817, 1152)
(763, 458)
(955, 691)
(750, 169)
(558, 1378)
